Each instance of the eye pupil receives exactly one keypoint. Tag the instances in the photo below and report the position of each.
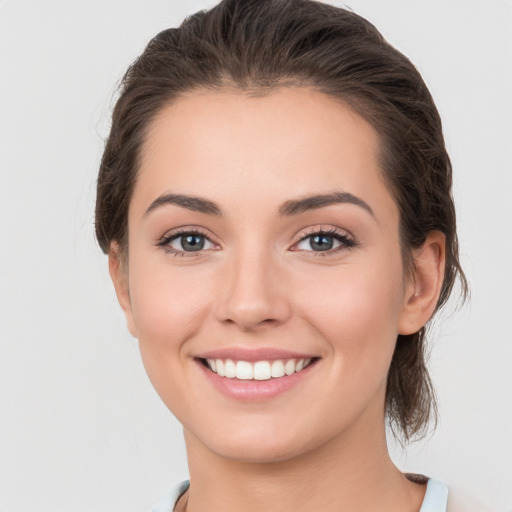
(321, 242)
(192, 242)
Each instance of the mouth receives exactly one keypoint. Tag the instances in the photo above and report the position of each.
(255, 375)
(258, 370)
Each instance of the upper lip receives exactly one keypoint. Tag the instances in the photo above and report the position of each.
(252, 354)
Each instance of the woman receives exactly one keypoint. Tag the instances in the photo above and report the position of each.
(275, 201)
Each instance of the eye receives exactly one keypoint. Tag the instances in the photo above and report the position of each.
(186, 243)
(325, 241)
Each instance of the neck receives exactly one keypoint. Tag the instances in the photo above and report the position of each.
(352, 472)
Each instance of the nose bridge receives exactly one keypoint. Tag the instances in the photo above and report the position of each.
(253, 295)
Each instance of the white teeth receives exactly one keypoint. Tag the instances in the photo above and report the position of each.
(289, 367)
(261, 370)
(244, 370)
(230, 369)
(277, 369)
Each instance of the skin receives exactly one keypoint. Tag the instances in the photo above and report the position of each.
(259, 283)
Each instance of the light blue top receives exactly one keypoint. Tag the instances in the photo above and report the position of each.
(435, 499)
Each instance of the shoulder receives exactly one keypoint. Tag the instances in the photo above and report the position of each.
(168, 502)
(438, 499)
(436, 496)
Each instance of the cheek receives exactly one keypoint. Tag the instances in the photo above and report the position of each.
(169, 308)
(162, 310)
(357, 311)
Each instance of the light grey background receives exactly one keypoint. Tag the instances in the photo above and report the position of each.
(81, 428)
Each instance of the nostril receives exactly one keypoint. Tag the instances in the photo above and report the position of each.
(251, 324)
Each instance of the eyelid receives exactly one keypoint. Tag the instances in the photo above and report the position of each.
(325, 229)
(346, 239)
(182, 230)
(164, 240)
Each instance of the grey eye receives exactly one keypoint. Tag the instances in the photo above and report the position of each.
(318, 242)
(321, 242)
(190, 242)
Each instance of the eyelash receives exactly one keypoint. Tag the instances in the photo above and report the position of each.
(169, 237)
(347, 241)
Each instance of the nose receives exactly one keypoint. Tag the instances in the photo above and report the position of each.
(253, 295)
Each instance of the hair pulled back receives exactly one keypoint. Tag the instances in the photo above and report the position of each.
(257, 45)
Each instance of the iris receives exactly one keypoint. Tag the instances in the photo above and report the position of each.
(321, 242)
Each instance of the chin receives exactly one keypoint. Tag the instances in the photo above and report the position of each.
(259, 445)
(258, 453)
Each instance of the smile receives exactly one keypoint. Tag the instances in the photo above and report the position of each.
(259, 370)
(255, 375)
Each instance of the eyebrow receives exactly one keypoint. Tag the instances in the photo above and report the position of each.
(287, 209)
(196, 204)
(296, 206)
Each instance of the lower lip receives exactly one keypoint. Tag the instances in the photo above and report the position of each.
(256, 390)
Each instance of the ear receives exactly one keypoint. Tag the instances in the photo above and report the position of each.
(424, 285)
(118, 269)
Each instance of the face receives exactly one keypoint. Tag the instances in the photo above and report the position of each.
(263, 239)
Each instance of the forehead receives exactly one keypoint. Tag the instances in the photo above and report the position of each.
(226, 143)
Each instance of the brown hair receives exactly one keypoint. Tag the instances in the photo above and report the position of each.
(258, 45)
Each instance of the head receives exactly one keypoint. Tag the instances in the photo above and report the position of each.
(262, 49)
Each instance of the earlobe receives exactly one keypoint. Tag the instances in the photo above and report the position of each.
(424, 286)
(119, 274)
